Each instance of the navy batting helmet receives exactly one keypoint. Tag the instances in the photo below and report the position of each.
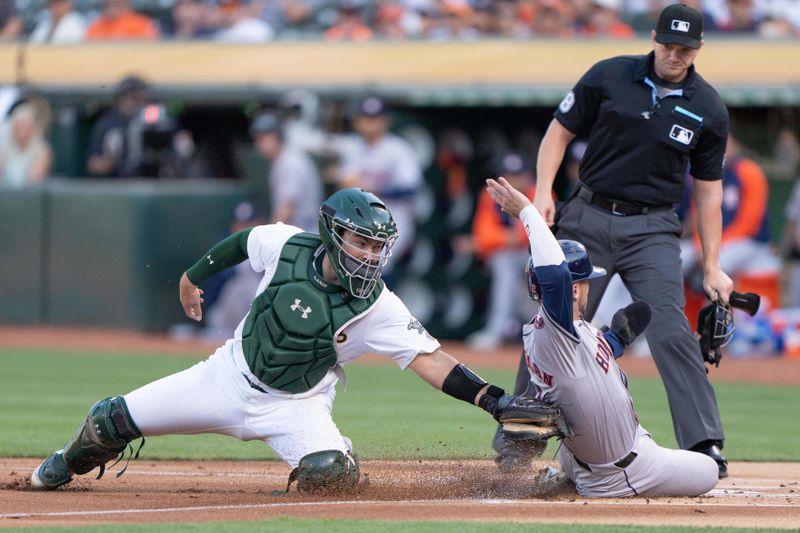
(580, 267)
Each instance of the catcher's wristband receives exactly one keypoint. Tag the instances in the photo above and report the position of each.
(464, 384)
(494, 401)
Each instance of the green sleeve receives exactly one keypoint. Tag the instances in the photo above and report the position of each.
(226, 253)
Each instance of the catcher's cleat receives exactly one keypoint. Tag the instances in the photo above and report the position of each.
(52, 473)
(711, 449)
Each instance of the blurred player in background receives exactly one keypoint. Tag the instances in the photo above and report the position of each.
(500, 241)
(295, 187)
(384, 164)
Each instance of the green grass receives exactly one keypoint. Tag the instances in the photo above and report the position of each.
(370, 526)
(387, 413)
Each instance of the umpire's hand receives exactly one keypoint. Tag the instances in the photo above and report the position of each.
(717, 285)
(507, 197)
(191, 297)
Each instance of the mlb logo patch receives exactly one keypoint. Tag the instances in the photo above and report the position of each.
(681, 134)
(680, 25)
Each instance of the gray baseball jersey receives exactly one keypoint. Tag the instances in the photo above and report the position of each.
(576, 370)
(572, 365)
(294, 178)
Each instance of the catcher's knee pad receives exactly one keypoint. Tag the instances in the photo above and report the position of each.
(326, 471)
(104, 434)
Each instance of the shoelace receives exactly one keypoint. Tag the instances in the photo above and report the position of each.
(121, 456)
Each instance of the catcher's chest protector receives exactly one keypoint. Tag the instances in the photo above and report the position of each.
(287, 338)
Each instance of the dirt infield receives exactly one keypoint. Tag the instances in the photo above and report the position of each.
(756, 494)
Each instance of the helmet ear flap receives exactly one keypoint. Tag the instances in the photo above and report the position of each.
(534, 289)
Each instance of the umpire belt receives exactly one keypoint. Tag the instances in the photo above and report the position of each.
(616, 208)
(622, 463)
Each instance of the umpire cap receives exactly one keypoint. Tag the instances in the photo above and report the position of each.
(680, 24)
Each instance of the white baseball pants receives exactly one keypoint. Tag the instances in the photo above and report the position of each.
(214, 397)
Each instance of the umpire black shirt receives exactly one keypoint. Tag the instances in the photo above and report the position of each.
(640, 145)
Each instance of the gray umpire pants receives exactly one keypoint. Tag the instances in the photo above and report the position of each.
(645, 251)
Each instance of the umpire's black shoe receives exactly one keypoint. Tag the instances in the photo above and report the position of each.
(711, 449)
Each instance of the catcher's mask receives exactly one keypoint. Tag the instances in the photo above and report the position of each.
(717, 320)
(363, 215)
(578, 262)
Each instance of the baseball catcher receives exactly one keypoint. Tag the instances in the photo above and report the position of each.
(321, 303)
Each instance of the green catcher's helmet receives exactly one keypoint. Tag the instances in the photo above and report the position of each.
(364, 214)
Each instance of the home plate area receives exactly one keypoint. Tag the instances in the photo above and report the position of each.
(755, 495)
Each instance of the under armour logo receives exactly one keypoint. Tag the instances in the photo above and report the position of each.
(297, 306)
(210, 261)
(646, 115)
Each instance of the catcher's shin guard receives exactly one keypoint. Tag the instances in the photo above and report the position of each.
(327, 471)
(104, 434)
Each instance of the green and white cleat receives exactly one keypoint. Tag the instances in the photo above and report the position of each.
(52, 473)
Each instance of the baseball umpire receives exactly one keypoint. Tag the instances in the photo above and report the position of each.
(571, 364)
(321, 303)
(648, 119)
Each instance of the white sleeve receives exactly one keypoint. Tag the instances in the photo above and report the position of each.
(391, 330)
(544, 246)
(264, 244)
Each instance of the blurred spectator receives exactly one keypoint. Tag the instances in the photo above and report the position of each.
(192, 19)
(289, 17)
(781, 19)
(108, 139)
(10, 21)
(118, 21)
(25, 156)
(386, 165)
(484, 17)
(60, 24)
(509, 23)
(294, 183)
(604, 21)
(553, 20)
(500, 240)
(389, 20)
(741, 18)
(642, 15)
(745, 247)
(349, 25)
(455, 22)
(241, 24)
(582, 11)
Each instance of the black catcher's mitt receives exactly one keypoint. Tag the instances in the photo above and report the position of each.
(529, 419)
